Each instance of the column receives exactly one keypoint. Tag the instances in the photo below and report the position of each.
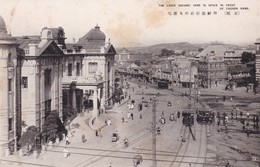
(74, 104)
(95, 109)
(102, 99)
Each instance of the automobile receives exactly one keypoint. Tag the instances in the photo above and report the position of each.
(115, 137)
(145, 103)
(169, 103)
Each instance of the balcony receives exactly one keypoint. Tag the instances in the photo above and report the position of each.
(82, 79)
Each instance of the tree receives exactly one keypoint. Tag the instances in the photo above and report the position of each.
(53, 125)
(28, 138)
(69, 112)
(166, 53)
(247, 57)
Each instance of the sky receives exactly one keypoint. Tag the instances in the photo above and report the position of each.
(136, 22)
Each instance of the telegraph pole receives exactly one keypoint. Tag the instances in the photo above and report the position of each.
(154, 132)
(190, 80)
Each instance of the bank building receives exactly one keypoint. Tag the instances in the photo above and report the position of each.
(42, 73)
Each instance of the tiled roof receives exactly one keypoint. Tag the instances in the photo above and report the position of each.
(218, 49)
(24, 41)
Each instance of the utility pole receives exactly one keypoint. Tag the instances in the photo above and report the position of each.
(154, 132)
(190, 80)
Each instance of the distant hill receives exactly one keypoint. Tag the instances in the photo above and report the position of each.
(156, 49)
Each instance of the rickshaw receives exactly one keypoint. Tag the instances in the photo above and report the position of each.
(115, 137)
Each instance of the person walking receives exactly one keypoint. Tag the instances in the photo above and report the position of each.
(132, 116)
(67, 140)
(65, 152)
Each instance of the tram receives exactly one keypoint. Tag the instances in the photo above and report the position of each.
(205, 116)
(188, 117)
(163, 84)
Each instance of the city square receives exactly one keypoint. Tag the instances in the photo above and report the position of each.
(119, 89)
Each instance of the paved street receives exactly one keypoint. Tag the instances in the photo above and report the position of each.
(100, 151)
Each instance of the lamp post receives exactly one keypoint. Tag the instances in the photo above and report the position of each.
(155, 103)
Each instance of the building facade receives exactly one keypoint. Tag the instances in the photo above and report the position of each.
(212, 71)
(257, 65)
(9, 98)
(42, 73)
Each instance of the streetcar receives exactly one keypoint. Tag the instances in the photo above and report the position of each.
(205, 116)
(188, 117)
(162, 84)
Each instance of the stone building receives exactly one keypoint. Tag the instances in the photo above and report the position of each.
(257, 65)
(88, 73)
(212, 71)
(40, 77)
(9, 98)
(43, 73)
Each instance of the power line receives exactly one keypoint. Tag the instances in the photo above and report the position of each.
(127, 157)
(27, 163)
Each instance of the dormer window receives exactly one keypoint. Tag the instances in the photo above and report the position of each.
(49, 34)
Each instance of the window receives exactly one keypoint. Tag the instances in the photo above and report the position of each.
(69, 69)
(10, 62)
(47, 108)
(78, 69)
(9, 85)
(10, 124)
(47, 77)
(24, 82)
(92, 67)
(26, 51)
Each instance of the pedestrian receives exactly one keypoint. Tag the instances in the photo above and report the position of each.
(178, 114)
(65, 152)
(123, 120)
(109, 122)
(132, 116)
(158, 131)
(162, 113)
(99, 131)
(67, 140)
(241, 114)
(128, 115)
(141, 116)
(227, 165)
(105, 121)
(247, 114)
(96, 132)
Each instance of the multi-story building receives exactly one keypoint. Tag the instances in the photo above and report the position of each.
(212, 71)
(41, 60)
(41, 73)
(257, 65)
(184, 71)
(9, 75)
(88, 72)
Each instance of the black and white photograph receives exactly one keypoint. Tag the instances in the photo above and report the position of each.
(129, 83)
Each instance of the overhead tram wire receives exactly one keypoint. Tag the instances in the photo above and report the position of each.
(26, 163)
(127, 157)
(132, 152)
